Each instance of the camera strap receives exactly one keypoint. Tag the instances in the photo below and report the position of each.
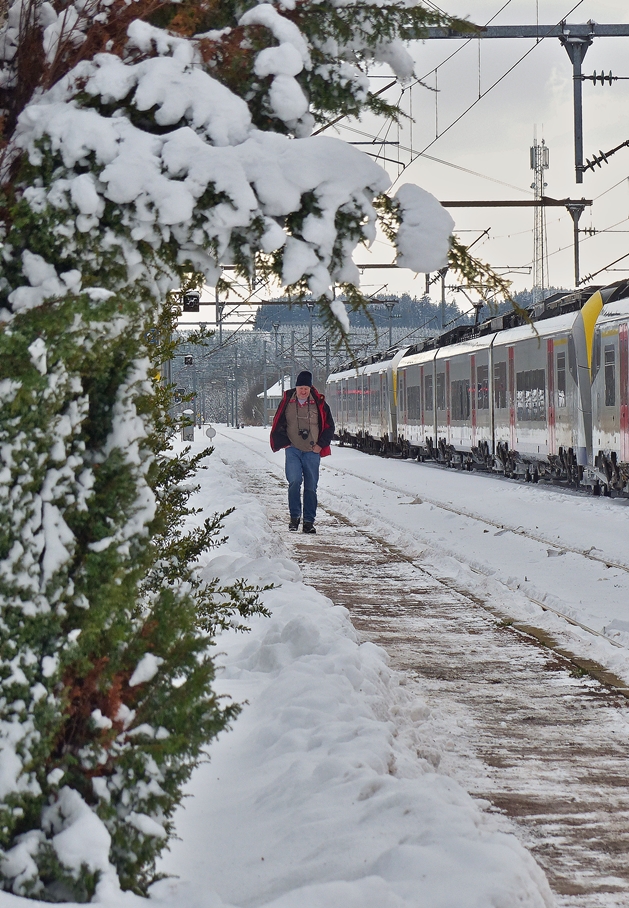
(303, 423)
(304, 428)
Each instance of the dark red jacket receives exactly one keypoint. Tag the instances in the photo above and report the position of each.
(279, 434)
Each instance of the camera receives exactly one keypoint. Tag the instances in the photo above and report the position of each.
(304, 433)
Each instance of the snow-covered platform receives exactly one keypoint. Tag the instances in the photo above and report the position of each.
(327, 793)
(349, 772)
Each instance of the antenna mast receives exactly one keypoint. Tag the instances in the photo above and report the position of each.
(539, 163)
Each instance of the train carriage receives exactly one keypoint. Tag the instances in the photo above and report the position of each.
(364, 403)
(416, 417)
(547, 396)
(535, 396)
(466, 431)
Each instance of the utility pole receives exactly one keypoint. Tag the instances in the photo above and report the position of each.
(443, 273)
(194, 391)
(539, 163)
(389, 305)
(219, 317)
(576, 209)
(266, 412)
(236, 421)
(576, 48)
(311, 311)
(293, 370)
(576, 38)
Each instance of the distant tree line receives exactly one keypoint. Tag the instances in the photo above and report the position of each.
(408, 312)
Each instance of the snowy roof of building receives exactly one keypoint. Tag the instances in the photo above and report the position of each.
(278, 388)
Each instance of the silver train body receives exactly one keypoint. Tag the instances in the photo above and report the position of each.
(545, 398)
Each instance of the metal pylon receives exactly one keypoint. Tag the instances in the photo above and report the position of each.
(539, 163)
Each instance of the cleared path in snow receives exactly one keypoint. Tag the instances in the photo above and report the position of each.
(541, 744)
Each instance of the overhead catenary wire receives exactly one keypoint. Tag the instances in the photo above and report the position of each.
(419, 81)
(485, 93)
(428, 157)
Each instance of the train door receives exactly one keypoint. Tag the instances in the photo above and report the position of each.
(623, 363)
(402, 404)
(384, 405)
(512, 435)
(422, 407)
(448, 402)
(473, 396)
(360, 402)
(491, 379)
(352, 420)
(342, 395)
(550, 372)
(432, 398)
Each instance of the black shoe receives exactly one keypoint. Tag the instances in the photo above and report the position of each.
(294, 523)
(309, 528)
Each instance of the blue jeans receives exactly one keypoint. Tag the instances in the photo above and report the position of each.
(302, 465)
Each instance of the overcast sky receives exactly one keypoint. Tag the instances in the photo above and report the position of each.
(493, 140)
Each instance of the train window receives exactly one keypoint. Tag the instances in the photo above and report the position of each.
(610, 375)
(531, 395)
(500, 386)
(428, 392)
(482, 388)
(460, 396)
(413, 402)
(441, 391)
(561, 379)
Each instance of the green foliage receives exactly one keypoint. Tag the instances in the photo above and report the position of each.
(92, 425)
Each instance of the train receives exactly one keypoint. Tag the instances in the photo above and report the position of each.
(540, 394)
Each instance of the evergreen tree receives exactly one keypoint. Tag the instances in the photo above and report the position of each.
(142, 144)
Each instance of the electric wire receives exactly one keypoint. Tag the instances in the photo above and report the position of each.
(485, 93)
(475, 173)
(419, 81)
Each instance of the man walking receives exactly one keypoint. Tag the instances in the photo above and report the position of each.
(304, 427)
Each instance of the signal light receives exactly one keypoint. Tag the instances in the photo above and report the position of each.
(191, 300)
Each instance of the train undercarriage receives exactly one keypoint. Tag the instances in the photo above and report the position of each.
(607, 477)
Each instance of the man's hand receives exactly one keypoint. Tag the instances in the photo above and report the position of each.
(316, 449)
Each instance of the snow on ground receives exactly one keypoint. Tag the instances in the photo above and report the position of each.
(316, 799)
(511, 544)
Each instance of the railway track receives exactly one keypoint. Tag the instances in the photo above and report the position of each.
(499, 527)
(540, 741)
(259, 448)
